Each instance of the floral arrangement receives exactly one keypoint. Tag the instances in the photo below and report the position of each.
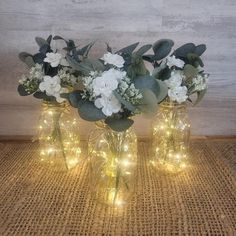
(182, 71)
(115, 87)
(118, 85)
(49, 72)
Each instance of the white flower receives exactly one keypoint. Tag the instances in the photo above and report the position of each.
(109, 105)
(113, 59)
(200, 82)
(52, 87)
(173, 61)
(53, 59)
(175, 79)
(178, 94)
(107, 82)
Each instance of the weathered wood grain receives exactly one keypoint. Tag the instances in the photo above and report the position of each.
(212, 22)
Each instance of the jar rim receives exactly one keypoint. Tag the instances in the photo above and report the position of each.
(55, 104)
(172, 104)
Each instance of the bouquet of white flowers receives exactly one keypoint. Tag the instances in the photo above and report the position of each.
(115, 87)
(182, 71)
(49, 72)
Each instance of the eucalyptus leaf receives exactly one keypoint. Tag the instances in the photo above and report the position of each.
(23, 55)
(194, 60)
(182, 51)
(21, 90)
(161, 73)
(85, 50)
(200, 95)
(149, 102)
(119, 125)
(57, 37)
(45, 48)
(190, 71)
(29, 62)
(49, 39)
(40, 41)
(40, 95)
(75, 98)
(147, 82)
(89, 112)
(109, 49)
(162, 48)
(90, 64)
(38, 58)
(200, 49)
(129, 49)
(127, 104)
(163, 92)
(137, 67)
(149, 57)
(143, 49)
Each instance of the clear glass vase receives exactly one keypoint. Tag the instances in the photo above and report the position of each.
(58, 136)
(170, 141)
(113, 162)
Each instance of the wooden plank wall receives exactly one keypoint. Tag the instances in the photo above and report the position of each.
(122, 22)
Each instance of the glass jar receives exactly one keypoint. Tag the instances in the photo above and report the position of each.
(171, 133)
(113, 161)
(58, 136)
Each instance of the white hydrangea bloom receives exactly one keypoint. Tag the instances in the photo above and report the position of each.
(52, 87)
(178, 94)
(107, 82)
(108, 104)
(54, 59)
(113, 59)
(173, 61)
(175, 79)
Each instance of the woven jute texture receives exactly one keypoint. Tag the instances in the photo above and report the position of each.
(34, 200)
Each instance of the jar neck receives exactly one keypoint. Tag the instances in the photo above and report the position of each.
(55, 106)
(173, 105)
(102, 125)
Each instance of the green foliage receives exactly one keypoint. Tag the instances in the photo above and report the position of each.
(182, 51)
(200, 49)
(21, 90)
(200, 95)
(88, 111)
(27, 59)
(85, 50)
(161, 49)
(147, 82)
(136, 67)
(194, 60)
(190, 71)
(86, 66)
(143, 49)
(72, 50)
(149, 102)
(128, 50)
(126, 104)
(190, 53)
(119, 125)
(40, 41)
(163, 91)
(75, 98)
(161, 74)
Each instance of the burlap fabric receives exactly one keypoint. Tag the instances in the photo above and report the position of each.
(201, 201)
